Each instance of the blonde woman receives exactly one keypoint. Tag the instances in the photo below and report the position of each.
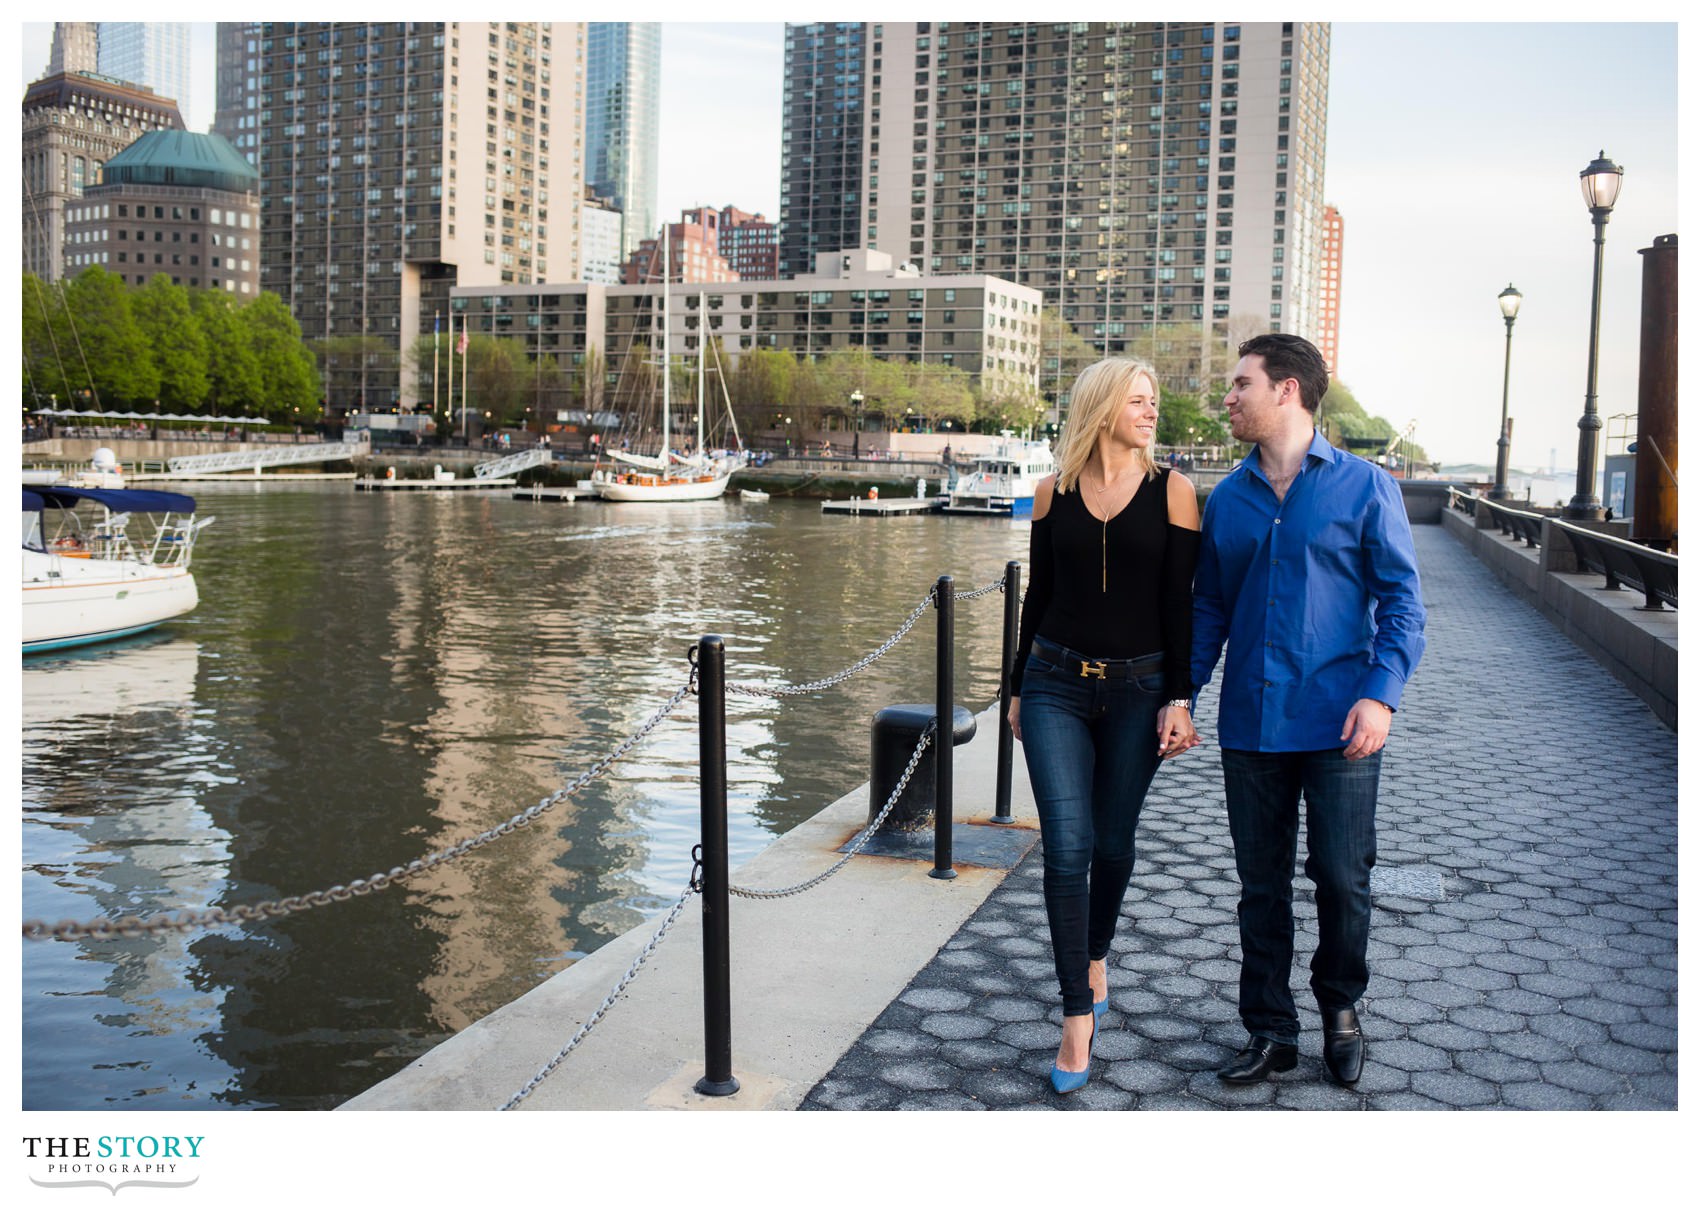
(1101, 685)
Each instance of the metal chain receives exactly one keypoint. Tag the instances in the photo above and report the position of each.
(770, 894)
(524, 1091)
(190, 919)
(970, 594)
(750, 690)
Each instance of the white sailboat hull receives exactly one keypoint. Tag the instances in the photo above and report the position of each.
(75, 601)
(659, 488)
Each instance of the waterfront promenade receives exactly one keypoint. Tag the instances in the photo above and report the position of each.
(1523, 952)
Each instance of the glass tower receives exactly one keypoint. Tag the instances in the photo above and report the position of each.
(154, 54)
(622, 122)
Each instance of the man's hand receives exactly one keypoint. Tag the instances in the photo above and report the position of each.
(1367, 726)
(1015, 715)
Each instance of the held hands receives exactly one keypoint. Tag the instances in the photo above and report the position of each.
(1367, 726)
(1175, 733)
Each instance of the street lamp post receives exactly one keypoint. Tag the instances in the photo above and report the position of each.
(1510, 299)
(1601, 181)
(856, 414)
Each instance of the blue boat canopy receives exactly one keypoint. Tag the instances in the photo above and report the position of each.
(118, 500)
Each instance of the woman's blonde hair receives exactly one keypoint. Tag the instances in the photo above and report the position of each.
(1098, 394)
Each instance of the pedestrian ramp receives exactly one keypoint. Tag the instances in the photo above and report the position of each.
(253, 458)
(507, 465)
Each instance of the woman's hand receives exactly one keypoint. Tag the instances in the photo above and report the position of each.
(1015, 715)
(1175, 733)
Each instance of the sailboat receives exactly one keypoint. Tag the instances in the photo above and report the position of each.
(667, 475)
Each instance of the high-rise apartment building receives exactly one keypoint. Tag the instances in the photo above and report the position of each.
(72, 125)
(622, 122)
(153, 54)
(398, 159)
(823, 163)
(1328, 293)
(599, 236)
(76, 48)
(237, 85)
(1140, 174)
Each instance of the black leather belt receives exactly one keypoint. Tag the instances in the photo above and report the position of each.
(1078, 663)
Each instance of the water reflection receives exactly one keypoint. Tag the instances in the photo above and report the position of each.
(372, 677)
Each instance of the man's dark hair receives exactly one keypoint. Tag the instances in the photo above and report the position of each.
(1286, 356)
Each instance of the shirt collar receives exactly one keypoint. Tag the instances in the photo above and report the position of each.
(1319, 448)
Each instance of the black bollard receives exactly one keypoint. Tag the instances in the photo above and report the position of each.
(944, 739)
(717, 1076)
(1006, 737)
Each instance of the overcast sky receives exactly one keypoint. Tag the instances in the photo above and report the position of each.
(1453, 154)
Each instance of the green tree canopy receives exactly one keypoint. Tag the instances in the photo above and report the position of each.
(288, 377)
(107, 352)
(233, 372)
(178, 343)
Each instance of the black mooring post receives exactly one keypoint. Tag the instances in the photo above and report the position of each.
(944, 739)
(717, 1076)
(1006, 738)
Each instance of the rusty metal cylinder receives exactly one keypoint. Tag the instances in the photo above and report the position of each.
(1655, 449)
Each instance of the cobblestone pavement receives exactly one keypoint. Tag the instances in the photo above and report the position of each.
(1522, 952)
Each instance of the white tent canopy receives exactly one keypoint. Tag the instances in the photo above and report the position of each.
(88, 414)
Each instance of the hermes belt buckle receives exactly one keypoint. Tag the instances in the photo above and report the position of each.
(1092, 669)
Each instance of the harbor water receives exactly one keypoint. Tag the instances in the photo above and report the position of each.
(372, 677)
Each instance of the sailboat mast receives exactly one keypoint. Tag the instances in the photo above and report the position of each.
(702, 360)
(666, 350)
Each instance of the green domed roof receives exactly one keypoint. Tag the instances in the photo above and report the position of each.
(180, 157)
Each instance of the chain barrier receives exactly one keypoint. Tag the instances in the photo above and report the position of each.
(751, 690)
(771, 894)
(968, 595)
(537, 1079)
(102, 928)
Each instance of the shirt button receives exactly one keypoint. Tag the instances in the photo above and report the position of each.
(1269, 683)
(1277, 521)
(1274, 561)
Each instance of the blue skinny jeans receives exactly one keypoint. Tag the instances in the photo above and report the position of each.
(1091, 747)
(1263, 792)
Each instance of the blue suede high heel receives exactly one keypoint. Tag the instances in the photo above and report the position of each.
(1098, 1008)
(1064, 1082)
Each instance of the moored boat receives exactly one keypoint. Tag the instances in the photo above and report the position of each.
(88, 579)
(1002, 483)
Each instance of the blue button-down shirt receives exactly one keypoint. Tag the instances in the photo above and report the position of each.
(1316, 596)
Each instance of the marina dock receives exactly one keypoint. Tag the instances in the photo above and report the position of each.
(883, 507)
(371, 484)
(566, 496)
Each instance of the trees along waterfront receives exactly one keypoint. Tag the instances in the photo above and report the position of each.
(94, 340)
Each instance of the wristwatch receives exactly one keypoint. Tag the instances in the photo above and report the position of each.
(1187, 703)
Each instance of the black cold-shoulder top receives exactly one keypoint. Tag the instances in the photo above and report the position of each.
(1113, 592)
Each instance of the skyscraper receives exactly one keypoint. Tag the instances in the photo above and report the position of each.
(622, 122)
(1328, 300)
(398, 159)
(154, 54)
(1141, 174)
(822, 166)
(237, 85)
(76, 48)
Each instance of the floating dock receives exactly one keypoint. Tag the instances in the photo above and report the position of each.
(565, 495)
(371, 484)
(883, 507)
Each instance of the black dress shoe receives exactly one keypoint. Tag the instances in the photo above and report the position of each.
(1258, 1059)
(1343, 1045)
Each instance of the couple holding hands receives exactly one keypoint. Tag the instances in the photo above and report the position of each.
(1304, 568)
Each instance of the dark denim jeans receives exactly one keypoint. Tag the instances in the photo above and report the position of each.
(1263, 791)
(1091, 747)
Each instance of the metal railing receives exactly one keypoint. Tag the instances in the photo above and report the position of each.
(1624, 563)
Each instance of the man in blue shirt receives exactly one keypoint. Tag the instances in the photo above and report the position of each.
(1308, 573)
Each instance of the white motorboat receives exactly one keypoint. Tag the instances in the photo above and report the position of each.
(752, 494)
(87, 578)
(1002, 483)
